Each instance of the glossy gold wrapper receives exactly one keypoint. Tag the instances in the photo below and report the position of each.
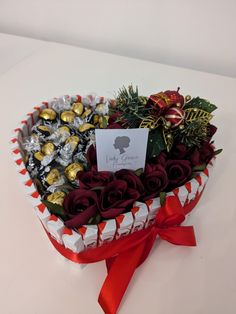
(48, 148)
(85, 127)
(53, 176)
(64, 129)
(86, 113)
(72, 170)
(57, 197)
(68, 116)
(78, 108)
(48, 114)
(44, 129)
(39, 156)
(73, 140)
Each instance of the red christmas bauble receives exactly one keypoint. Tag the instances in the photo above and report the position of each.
(175, 116)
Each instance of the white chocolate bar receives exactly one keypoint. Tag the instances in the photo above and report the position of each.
(204, 179)
(140, 214)
(194, 184)
(106, 231)
(153, 206)
(43, 214)
(89, 235)
(72, 240)
(55, 227)
(124, 224)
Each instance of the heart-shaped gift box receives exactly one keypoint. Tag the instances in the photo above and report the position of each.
(124, 242)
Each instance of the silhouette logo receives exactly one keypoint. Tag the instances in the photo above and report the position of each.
(121, 142)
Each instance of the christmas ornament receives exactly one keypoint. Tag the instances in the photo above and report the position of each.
(174, 116)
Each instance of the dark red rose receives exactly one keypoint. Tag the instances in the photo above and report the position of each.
(116, 198)
(92, 156)
(80, 205)
(178, 171)
(154, 180)
(92, 179)
(160, 159)
(202, 154)
(179, 151)
(131, 178)
(211, 130)
(112, 122)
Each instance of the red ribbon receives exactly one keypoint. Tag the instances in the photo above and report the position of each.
(124, 255)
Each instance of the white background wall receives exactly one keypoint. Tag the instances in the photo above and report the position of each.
(189, 33)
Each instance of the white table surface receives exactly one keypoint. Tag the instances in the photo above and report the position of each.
(34, 278)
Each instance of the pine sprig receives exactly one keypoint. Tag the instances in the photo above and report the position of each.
(192, 134)
(131, 106)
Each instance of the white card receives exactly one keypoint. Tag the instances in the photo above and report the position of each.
(121, 148)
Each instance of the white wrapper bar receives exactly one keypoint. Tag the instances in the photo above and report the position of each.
(55, 228)
(72, 240)
(124, 224)
(182, 194)
(192, 187)
(153, 206)
(43, 214)
(89, 235)
(204, 179)
(140, 214)
(106, 231)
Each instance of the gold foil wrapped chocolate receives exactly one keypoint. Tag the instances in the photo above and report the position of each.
(53, 176)
(48, 114)
(85, 127)
(95, 119)
(57, 197)
(44, 130)
(78, 108)
(72, 170)
(68, 116)
(64, 129)
(86, 113)
(103, 121)
(73, 141)
(39, 156)
(48, 148)
(101, 109)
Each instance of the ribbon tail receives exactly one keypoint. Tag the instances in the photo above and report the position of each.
(120, 271)
(180, 235)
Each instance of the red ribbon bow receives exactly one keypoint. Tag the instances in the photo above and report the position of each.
(124, 255)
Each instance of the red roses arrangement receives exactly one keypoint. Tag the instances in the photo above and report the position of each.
(109, 194)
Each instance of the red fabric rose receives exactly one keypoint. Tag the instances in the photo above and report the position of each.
(178, 171)
(92, 156)
(202, 154)
(92, 179)
(131, 178)
(112, 122)
(160, 159)
(80, 205)
(211, 130)
(116, 198)
(154, 180)
(179, 151)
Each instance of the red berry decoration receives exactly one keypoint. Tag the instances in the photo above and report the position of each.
(175, 116)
